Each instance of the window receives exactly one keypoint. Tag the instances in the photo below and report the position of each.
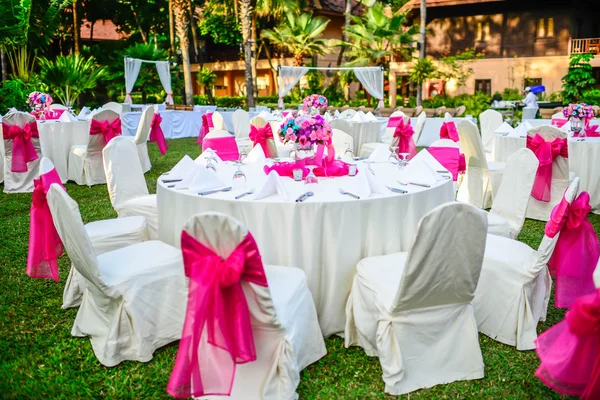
(541, 31)
(483, 85)
(550, 30)
(482, 32)
(545, 28)
(532, 82)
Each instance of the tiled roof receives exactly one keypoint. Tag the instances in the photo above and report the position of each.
(103, 30)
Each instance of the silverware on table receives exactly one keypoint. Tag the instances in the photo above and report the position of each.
(396, 190)
(414, 184)
(171, 180)
(342, 191)
(304, 197)
(239, 196)
(205, 193)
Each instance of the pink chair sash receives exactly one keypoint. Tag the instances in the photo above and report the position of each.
(108, 129)
(449, 131)
(23, 150)
(207, 123)
(570, 351)
(451, 159)
(157, 135)
(262, 136)
(403, 135)
(45, 245)
(577, 250)
(217, 323)
(394, 121)
(559, 122)
(545, 152)
(226, 147)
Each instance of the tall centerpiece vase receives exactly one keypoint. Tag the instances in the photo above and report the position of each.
(577, 126)
(303, 152)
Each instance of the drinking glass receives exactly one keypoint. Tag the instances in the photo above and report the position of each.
(243, 155)
(349, 151)
(239, 178)
(393, 158)
(402, 160)
(311, 177)
(210, 165)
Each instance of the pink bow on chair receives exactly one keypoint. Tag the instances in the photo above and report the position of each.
(23, 151)
(157, 135)
(403, 135)
(262, 136)
(108, 129)
(577, 249)
(45, 245)
(394, 121)
(448, 131)
(217, 324)
(545, 152)
(207, 123)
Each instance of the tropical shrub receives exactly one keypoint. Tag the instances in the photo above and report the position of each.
(509, 94)
(579, 79)
(231, 101)
(591, 97)
(14, 93)
(207, 78)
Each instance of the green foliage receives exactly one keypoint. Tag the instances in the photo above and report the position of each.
(314, 79)
(421, 71)
(476, 104)
(206, 77)
(509, 94)
(220, 24)
(439, 101)
(14, 93)
(231, 101)
(457, 66)
(69, 76)
(556, 96)
(579, 79)
(591, 97)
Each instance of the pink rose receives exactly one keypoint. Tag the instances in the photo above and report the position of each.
(289, 131)
(303, 141)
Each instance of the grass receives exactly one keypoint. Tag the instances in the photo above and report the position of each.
(40, 359)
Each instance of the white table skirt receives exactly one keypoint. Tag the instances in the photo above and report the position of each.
(57, 138)
(326, 236)
(175, 124)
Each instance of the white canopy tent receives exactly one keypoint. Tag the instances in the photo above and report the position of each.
(370, 77)
(132, 70)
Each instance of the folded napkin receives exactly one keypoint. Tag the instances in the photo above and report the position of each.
(327, 117)
(66, 116)
(208, 152)
(370, 117)
(256, 155)
(93, 112)
(566, 127)
(205, 180)
(358, 117)
(381, 153)
(421, 169)
(84, 111)
(366, 184)
(273, 184)
(504, 129)
(336, 114)
(185, 166)
(432, 163)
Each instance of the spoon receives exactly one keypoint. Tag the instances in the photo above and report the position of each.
(304, 197)
(226, 189)
(239, 196)
(342, 191)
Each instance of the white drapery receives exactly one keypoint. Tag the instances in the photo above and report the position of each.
(288, 78)
(132, 70)
(372, 79)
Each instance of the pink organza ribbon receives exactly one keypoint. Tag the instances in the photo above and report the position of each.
(451, 159)
(559, 122)
(217, 324)
(394, 121)
(261, 136)
(448, 131)
(226, 147)
(545, 152)
(23, 151)
(53, 114)
(108, 129)
(207, 123)
(577, 250)
(45, 245)
(570, 351)
(326, 168)
(592, 131)
(404, 137)
(157, 135)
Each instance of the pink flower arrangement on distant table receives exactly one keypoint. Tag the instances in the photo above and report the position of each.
(306, 131)
(580, 111)
(314, 100)
(39, 100)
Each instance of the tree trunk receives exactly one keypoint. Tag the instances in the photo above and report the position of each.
(193, 28)
(4, 66)
(209, 93)
(171, 29)
(246, 20)
(139, 25)
(92, 30)
(76, 28)
(423, 43)
(254, 60)
(347, 15)
(181, 24)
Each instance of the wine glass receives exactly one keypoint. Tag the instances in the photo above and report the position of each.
(243, 155)
(239, 178)
(402, 160)
(210, 165)
(349, 152)
(393, 157)
(311, 177)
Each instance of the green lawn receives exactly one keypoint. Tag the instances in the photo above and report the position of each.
(40, 359)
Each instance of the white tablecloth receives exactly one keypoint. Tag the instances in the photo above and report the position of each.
(57, 138)
(325, 236)
(175, 124)
(540, 122)
(361, 132)
(431, 130)
(228, 119)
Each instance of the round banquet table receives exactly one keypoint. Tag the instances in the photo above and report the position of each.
(325, 236)
(584, 161)
(57, 138)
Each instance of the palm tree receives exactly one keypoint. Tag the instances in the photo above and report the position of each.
(182, 20)
(299, 35)
(207, 78)
(422, 43)
(246, 10)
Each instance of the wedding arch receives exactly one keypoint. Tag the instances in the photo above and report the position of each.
(370, 77)
(132, 70)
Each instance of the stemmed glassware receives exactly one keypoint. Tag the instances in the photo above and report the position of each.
(243, 155)
(239, 178)
(210, 165)
(311, 177)
(393, 158)
(402, 160)
(349, 152)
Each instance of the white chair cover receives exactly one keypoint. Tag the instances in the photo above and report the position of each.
(341, 142)
(85, 161)
(514, 288)
(482, 179)
(218, 122)
(413, 309)
(489, 120)
(141, 138)
(133, 299)
(126, 185)
(113, 106)
(419, 126)
(560, 176)
(286, 331)
(19, 182)
(241, 130)
(510, 204)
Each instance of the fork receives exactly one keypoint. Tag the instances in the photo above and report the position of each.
(226, 189)
(414, 184)
(396, 190)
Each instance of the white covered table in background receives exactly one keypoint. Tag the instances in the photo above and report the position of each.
(505, 146)
(57, 138)
(228, 119)
(584, 160)
(431, 129)
(540, 122)
(176, 124)
(204, 109)
(361, 132)
(326, 236)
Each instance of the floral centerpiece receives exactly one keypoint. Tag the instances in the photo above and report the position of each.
(306, 131)
(579, 111)
(39, 102)
(314, 102)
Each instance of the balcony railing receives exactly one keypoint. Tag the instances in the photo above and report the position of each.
(585, 46)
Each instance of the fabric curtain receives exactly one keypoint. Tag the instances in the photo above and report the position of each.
(372, 79)
(132, 69)
(164, 74)
(288, 78)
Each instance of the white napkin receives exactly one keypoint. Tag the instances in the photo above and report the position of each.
(272, 185)
(66, 116)
(84, 111)
(202, 158)
(366, 184)
(421, 170)
(358, 117)
(205, 180)
(336, 114)
(327, 117)
(256, 155)
(381, 153)
(185, 166)
(448, 117)
(93, 112)
(566, 127)
(505, 128)
(521, 130)
(370, 117)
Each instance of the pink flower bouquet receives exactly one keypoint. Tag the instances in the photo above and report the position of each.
(314, 100)
(306, 131)
(580, 111)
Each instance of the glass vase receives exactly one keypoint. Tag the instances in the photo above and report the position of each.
(576, 126)
(303, 152)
